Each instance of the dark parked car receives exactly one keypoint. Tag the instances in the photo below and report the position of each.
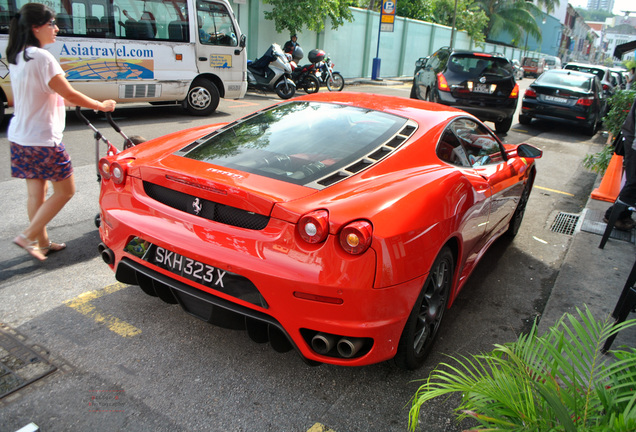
(479, 83)
(602, 72)
(565, 96)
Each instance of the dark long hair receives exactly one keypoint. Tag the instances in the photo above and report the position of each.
(21, 29)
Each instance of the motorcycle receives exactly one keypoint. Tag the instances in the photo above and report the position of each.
(303, 76)
(272, 72)
(324, 70)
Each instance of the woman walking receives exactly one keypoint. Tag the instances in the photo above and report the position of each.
(35, 131)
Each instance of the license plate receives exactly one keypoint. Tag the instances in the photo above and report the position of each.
(188, 268)
(481, 88)
(556, 99)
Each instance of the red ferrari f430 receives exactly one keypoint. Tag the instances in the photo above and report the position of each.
(341, 225)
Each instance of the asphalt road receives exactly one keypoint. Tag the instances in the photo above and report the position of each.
(126, 361)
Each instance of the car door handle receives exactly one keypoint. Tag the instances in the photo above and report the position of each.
(202, 58)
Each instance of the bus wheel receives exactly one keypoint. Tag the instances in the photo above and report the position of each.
(203, 98)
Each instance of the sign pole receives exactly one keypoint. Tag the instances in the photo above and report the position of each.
(387, 19)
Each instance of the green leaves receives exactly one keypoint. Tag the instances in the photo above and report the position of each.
(559, 381)
(295, 15)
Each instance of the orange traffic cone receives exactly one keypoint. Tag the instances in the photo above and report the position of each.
(610, 185)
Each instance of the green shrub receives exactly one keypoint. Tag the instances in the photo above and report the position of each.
(619, 105)
(556, 382)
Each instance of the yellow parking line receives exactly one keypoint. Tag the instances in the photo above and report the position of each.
(320, 428)
(82, 304)
(554, 190)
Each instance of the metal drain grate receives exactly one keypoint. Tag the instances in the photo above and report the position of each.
(19, 364)
(565, 223)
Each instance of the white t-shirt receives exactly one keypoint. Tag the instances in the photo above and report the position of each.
(39, 114)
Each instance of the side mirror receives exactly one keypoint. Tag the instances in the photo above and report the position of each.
(529, 151)
(242, 43)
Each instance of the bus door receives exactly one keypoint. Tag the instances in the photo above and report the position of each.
(217, 44)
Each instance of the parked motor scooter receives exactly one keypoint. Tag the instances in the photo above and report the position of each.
(272, 72)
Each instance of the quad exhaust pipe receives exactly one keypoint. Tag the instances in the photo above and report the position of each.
(347, 347)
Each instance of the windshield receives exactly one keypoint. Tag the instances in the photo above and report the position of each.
(298, 142)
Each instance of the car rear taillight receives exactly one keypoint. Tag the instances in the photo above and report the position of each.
(442, 84)
(355, 237)
(112, 171)
(585, 101)
(314, 226)
(514, 94)
(104, 168)
(606, 87)
(530, 93)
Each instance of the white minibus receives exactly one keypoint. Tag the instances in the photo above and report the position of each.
(159, 51)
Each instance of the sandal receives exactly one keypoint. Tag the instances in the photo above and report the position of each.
(29, 246)
(52, 247)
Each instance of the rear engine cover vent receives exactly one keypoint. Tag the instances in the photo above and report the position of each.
(565, 223)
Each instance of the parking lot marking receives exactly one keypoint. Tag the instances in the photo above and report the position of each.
(320, 428)
(82, 304)
(241, 104)
(554, 190)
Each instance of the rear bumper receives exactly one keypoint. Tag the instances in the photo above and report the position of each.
(494, 111)
(567, 115)
(275, 266)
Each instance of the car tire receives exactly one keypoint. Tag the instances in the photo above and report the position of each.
(524, 119)
(591, 130)
(503, 126)
(413, 94)
(426, 316)
(517, 216)
(203, 98)
(433, 96)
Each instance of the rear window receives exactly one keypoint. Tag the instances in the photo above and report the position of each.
(298, 142)
(477, 65)
(600, 73)
(566, 80)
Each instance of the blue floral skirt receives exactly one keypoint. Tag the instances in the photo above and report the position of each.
(46, 163)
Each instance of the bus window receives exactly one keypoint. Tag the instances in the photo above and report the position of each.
(215, 24)
(151, 19)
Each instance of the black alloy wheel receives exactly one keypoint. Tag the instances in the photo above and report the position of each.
(427, 313)
(517, 217)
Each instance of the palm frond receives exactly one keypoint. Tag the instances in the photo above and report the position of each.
(557, 381)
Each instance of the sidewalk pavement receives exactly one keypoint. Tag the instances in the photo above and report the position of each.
(592, 276)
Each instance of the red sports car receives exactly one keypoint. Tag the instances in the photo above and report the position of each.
(341, 225)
